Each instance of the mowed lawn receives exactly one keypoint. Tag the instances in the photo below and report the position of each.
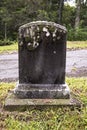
(77, 44)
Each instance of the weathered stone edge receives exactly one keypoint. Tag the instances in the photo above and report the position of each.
(43, 23)
(13, 103)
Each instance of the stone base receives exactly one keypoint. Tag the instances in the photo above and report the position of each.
(42, 91)
(13, 103)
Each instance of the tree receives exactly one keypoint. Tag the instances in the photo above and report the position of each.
(83, 16)
(60, 10)
(14, 13)
(78, 9)
(68, 17)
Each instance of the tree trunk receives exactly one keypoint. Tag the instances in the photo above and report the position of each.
(60, 10)
(77, 20)
(5, 31)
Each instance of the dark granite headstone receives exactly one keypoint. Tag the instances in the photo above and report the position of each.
(42, 58)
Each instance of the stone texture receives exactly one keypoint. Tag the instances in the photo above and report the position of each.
(43, 91)
(42, 58)
(42, 52)
(13, 103)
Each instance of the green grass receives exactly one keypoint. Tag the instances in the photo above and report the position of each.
(49, 118)
(70, 45)
(77, 44)
(9, 48)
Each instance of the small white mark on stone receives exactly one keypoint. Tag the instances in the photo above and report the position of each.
(38, 37)
(47, 34)
(21, 43)
(38, 28)
(32, 32)
(64, 31)
(45, 29)
(29, 44)
(54, 35)
(54, 52)
(55, 30)
(58, 37)
(34, 38)
(27, 31)
(60, 30)
(35, 44)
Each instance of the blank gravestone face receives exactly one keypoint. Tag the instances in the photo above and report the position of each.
(42, 54)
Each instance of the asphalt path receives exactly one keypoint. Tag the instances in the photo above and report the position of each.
(76, 65)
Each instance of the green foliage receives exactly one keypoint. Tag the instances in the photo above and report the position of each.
(83, 14)
(69, 17)
(76, 35)
(14, 13)
(5, 42)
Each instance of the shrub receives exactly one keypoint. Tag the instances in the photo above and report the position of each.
(5, 42)
(77, 35)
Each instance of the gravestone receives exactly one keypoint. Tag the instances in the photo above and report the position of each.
(42, 59)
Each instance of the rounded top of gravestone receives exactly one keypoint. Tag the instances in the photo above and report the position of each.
(35, 32)
(44, 23)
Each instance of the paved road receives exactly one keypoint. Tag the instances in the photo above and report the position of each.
(76, 65)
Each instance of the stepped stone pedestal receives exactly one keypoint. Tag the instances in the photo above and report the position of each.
(42, 59)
